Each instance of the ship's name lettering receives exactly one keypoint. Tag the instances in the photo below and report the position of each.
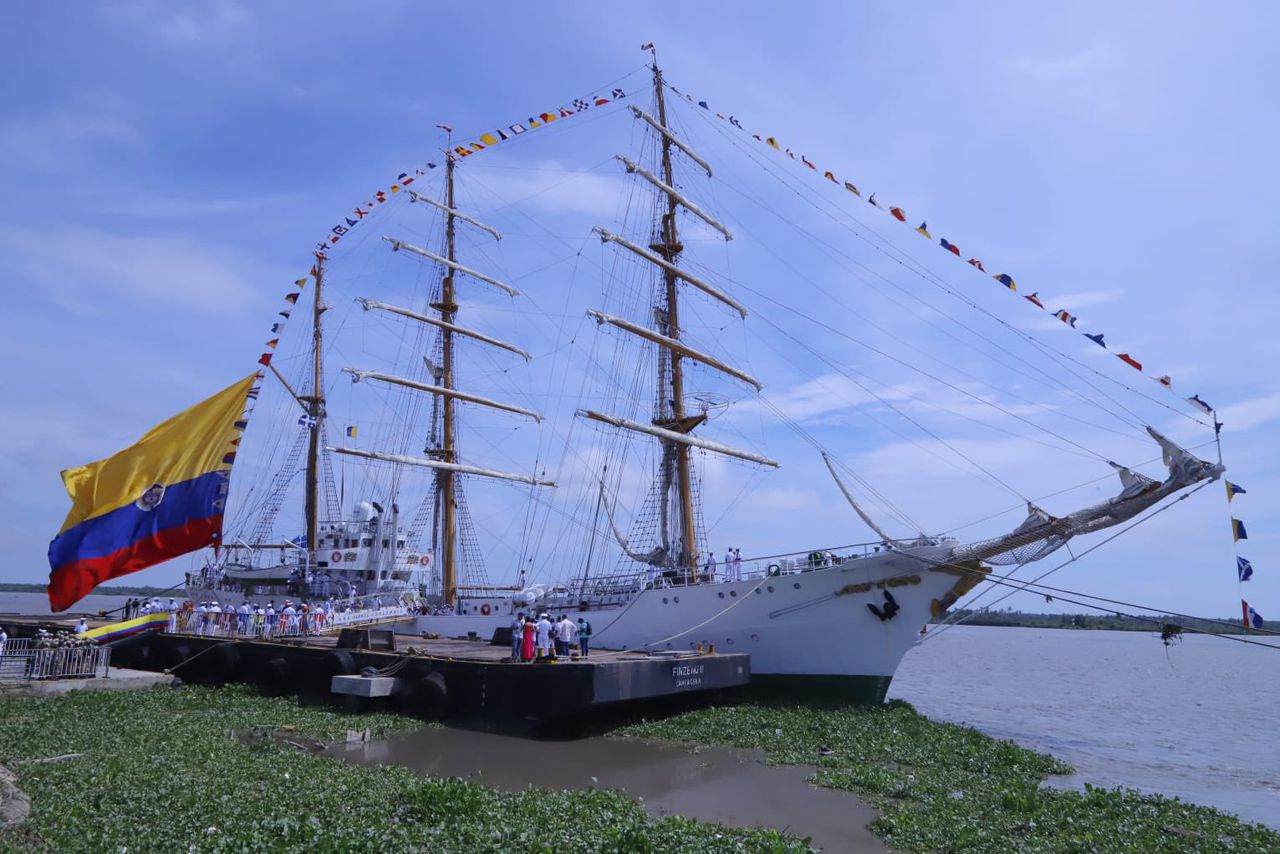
(900, 581)
(688, 669)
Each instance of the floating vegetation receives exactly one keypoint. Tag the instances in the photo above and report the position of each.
(158, 772)
(942, 787)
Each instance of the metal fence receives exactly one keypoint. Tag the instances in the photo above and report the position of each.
(20, 662)
(234, 624)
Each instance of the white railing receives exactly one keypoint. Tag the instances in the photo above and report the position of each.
(364, 610)
(21, 663)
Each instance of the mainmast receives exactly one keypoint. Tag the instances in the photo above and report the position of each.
(315, 412)
(442, 456)
(672, 424)
(669, 248)
(446, 499)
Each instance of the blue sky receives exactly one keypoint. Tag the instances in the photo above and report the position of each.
(168, 169)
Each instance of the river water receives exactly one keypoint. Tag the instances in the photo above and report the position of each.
(1195, 720)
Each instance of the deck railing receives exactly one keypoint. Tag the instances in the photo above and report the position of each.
(21, 662)
(360, 611)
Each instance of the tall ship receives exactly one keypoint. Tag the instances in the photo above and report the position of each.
(412, 456)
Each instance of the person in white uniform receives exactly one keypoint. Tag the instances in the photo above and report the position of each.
(544, 636)
(709, 568)
(82, 626)
(173, 614)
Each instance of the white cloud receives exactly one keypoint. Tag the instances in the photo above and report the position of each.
(50, 140)
(88, 270)
(1251, 413)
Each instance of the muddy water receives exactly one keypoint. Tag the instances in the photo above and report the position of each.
(722, 785)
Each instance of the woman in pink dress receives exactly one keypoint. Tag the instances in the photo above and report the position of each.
(526, 644)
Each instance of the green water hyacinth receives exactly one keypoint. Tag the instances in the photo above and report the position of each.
(159, 773)
(943, 787)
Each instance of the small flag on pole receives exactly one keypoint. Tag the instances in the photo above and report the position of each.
(1006, 280)
(1234, 489)
(975, 262)
(1244, 569)
(1097, 339)
(924, 229)
(899, 214)
(307, 420)
(1034, 299)
(351, 432)
(1237, 530)
(1251, 617)
(950, 247)
(1066, 317)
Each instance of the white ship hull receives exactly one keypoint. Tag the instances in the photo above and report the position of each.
(810, 629)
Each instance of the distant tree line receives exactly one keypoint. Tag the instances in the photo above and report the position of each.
(103, 590)
(1107, 622)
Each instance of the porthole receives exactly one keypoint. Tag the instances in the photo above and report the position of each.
(721, 594)
(770, 588)
(728, 641)
(796, 585)
(755, 637)
(675, 599)
(664, 600)
(733, 593)
(757, 591)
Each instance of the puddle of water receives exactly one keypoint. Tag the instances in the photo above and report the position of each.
(715, 784)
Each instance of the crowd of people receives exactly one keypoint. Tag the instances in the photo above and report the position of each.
(732, 566)
(540, 639)
(247, 619)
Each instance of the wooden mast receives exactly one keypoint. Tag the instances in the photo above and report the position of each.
(669, 248)
(315, 409)
(445, 479)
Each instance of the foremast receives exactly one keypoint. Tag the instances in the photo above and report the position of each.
(673, 426)
(442, 456)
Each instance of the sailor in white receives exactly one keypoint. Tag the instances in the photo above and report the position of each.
(544, 636)
(290, 617)
(245, 614)
(215, 617)
(173, 614)
(202, 618)
(710, 568)
(82, 626)
(728, 565)
(317, 618)
(259, 617)
(270, 628)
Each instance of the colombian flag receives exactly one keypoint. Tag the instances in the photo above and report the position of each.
(158, 499)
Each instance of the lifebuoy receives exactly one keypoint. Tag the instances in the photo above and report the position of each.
(484, 609)
(336, 557)
(774, 569)
(425, 560)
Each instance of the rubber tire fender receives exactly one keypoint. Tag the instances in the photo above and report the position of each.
(428, 697)
(274, 677)
(221, 665)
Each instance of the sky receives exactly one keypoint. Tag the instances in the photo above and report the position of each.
(169, 168)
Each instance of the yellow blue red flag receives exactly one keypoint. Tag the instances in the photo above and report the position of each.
(158, 499)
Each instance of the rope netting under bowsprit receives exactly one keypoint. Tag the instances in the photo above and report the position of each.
(1026, 553)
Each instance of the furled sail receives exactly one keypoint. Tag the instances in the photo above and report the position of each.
(1040, 534)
